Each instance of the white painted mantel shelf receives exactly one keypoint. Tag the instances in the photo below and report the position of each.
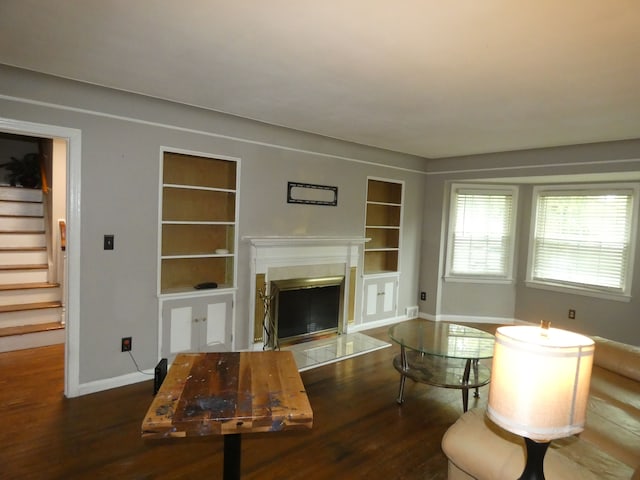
(278, 241)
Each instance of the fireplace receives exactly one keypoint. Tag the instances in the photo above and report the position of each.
(305, 308)
(326, 267)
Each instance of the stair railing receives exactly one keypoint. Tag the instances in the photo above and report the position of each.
(62, 266)
(43, 178)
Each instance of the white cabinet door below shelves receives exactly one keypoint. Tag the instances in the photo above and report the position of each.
(197, 324)
(380, 298)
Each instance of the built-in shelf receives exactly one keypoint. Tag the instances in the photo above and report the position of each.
(383, 221)
(198, 218)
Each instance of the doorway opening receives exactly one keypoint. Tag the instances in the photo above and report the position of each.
(43, 271)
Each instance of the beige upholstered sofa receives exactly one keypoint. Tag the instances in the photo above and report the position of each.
(608, 448)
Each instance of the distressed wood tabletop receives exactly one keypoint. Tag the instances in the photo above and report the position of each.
(228, 393)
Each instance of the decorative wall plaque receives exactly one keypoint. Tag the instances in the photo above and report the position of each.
(312, 194)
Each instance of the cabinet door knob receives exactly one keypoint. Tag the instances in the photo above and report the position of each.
(196, 320)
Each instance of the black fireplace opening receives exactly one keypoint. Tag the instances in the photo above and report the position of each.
(307, 307)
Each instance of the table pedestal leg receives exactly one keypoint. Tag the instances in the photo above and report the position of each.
(231, 461)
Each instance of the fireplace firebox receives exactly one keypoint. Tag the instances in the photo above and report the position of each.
(304, 308)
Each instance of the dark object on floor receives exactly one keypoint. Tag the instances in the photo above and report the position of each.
(158, 375)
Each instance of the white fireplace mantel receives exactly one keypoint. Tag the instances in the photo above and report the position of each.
(276, 241)
(282, 257)
(281, 251)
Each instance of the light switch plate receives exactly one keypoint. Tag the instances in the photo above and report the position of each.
(108, 242)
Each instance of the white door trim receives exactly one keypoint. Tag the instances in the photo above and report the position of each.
(72, 300)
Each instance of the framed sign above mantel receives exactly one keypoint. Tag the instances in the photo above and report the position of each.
(312, 194)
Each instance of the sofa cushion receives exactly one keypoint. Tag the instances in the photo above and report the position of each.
(484, 451)
(616, 389)
(614, 428)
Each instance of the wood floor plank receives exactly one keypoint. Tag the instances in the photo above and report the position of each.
(359, 430)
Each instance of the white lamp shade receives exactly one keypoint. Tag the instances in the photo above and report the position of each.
(540, 381)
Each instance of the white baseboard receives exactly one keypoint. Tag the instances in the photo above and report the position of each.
(469, 319)
(115, 382)
(378, 323)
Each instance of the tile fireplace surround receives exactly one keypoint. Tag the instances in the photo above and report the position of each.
(296, 257)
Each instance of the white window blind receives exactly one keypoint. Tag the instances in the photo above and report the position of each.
(481, 242)
(583, 239)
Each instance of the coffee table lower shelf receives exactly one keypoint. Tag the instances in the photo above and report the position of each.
(446, 372)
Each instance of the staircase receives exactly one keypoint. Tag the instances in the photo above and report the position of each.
(30, 305)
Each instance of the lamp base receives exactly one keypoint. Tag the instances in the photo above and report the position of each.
(533, 470)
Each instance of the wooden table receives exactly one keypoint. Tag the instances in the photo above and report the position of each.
(229, 394)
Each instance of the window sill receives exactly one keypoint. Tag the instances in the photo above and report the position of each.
(618, 297)
(485, 280)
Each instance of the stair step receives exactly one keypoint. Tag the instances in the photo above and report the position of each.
(23, 257)
(38, 266)
(26, 329)
(21, 209)
(27, 286)
(27, 293)
(21, 194)
(27, 316)
(22, 239)
(38, 275)
(17, 215)
(29, 306)
(21, 223)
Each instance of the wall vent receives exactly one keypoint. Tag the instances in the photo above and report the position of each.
(411, 312)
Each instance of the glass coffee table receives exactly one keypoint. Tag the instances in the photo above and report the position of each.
(442, 354)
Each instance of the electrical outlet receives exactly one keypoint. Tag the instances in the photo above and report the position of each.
(423, 296)
(126, 344)
(572, 314)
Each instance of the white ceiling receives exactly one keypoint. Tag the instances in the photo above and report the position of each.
(431, 78)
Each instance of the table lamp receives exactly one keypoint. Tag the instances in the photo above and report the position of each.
(539, 386)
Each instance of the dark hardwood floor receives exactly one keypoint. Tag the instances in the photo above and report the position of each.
(359, 430)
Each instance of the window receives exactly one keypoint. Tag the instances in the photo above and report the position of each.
(582, 238)
(481, 232)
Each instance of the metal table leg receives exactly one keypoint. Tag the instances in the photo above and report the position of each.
(405, 366)
(475, 377)
(465, 382)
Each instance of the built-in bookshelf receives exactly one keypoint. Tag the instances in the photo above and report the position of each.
(198, 222)
(383, 226)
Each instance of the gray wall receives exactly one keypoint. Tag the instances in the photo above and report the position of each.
(121, 139)
(614, 319)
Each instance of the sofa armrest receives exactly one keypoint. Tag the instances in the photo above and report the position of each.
(482, 450)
